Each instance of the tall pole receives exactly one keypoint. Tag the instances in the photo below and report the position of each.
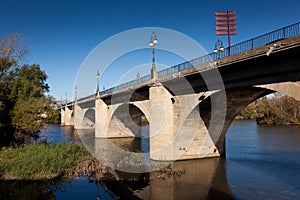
(138, 77)
(98, 89)
(228, 32)
(152, 43)
(153, 68)
(75, 92)
(226, 25)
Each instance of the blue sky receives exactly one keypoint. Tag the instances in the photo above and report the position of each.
(61, 33)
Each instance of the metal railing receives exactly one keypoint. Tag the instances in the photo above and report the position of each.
(283, 33)
(279, 34)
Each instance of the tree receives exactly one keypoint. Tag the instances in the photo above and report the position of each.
(12, 50)
(23, 104)
(29, 82)
(30, 103)
(278, 110)
(27, 116)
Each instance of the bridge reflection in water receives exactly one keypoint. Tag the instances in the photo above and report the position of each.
(189, 179)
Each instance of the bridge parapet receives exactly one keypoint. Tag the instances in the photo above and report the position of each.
(288, 36)
(283, 44)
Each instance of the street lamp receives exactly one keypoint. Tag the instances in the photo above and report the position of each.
(98, 77)
(152, 43)
(218, 47)
(76, 93)
(138, 77)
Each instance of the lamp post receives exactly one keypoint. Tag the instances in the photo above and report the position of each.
(218, 47)
(152, 43)
(75, 93)
(138, 77)
(98, 77)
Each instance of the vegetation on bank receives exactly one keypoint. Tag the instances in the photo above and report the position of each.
(278, 110)
(23, 103)
(43, 161)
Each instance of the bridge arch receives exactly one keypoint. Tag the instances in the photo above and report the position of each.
(239, 98)
(127, 120)
(68, 115)
(291, 89)
(213, 140)
(89, 118)
(143, 107)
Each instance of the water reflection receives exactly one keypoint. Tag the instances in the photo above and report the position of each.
(190, 179)
(80, 188)
(26, 190)
(123, 154)
(193, 179)
(53, 133)
(262, 163)
(202, 179)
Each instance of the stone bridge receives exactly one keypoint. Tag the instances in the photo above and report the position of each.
(189, 111)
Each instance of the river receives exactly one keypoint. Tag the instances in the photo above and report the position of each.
(263, 162)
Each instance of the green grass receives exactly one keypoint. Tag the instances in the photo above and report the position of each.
(40, 161)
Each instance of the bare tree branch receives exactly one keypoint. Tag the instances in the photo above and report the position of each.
(13, 47)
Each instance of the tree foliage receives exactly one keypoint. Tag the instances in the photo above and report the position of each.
(23, 104)
(27, 115)
(278, 110)
(29, 82)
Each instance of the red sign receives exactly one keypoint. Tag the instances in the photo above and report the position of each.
(225, 18)
(225, 33)
(224, 28)
(225, 23)
(225, 13)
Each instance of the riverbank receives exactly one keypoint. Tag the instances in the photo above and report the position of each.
(278, 110)
(253, 169)
(36, 162)
(47, 161)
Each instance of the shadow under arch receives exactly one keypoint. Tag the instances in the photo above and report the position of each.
(236, 100)
(128, 120)
(89, 118)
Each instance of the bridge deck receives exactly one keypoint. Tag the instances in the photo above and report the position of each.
(287, 37)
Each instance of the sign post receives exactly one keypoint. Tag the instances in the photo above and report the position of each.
(226, 24)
